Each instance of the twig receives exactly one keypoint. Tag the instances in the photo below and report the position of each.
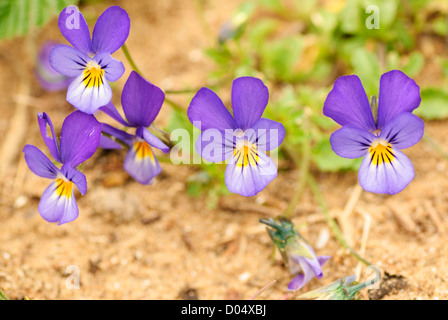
(331, 222)
(430, 140)
(365, 237)
(347, 227)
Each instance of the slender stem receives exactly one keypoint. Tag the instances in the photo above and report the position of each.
(182, 91)
(331, 222)
(2, 297)
(302, 177)
(121, 143)
(174, 105)
(130, 60)
(430, 140)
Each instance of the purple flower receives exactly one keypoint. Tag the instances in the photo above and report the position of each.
(89, 61)
(79, 140)
(242, 139)
(377, 136)
(141, 101)
(305, 264)
(49, 79)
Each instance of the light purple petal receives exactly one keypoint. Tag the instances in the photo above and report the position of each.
(403, 131)
(74, 28)
(352, 143)
(80, 137)
(153, 141)
(302, 278)
(51, 141)
(113, 68)
(249, 180)
(68, 61)
(206, 111)
(143, 170)
(78, 178)
(398, 93)
(55, 208)
(112, 112)
(38, 163)
(348, 105)
(215, 146)
(388, 178)
(48, 78)
(111, 30)
(249, 100)
(141, 101)
(267, 134)
(119, 134)
(88, 99)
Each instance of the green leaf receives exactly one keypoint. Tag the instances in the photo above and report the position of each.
(18, 17)
(2, 297)
(434, 105)
(366, 66)
(414, 65)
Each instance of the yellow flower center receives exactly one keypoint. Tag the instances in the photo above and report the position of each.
(381, 152)
(93, 75)
(246, 154)
(143, 150)
(64, 188)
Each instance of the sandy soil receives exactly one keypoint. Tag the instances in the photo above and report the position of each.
(155, 242)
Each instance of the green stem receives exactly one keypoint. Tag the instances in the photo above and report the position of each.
(182, 91)
(2, 297)
(121, 143)
(430, 140)
(302, 178)
(130, 60)
(331, 222)
(174, 105)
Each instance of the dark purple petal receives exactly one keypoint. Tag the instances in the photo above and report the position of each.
(323, 260)
(112, 112)
(68, 61)
(144, 169)
(113, 68)
(111, 30)
(352, 143)
(398, 93)
(267, 134)
(80, 137)
(141, 101)
(55, 208)
(38, 163)
(215, 146)
(206, 111)
(248, 180)
(51, 141)
(348, 105)
(388, 178)
(119, 134)
(109, 144)
(403, 131)
(74, 28)
(78, 178)
(153, 141)
(249, 99)
(88, 99)
(302, 278)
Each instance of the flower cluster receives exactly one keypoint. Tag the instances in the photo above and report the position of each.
(238, 136)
